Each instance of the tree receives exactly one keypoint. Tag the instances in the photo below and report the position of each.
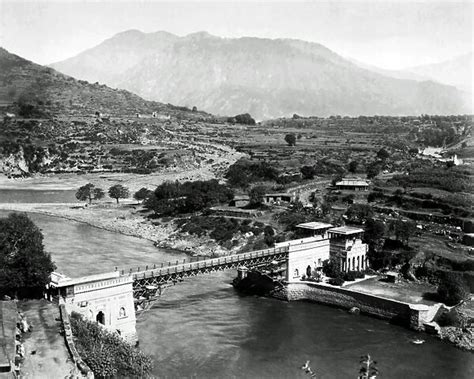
(359, 213)
(89, 192)
(383, 154)
(290, 139)
(374, 236)
(25, 267)
(373, 169)
(118, 191)
(256, 195)
(353, 166)
(142, 194)
(452, 289)
(308, 172)
(403, 230)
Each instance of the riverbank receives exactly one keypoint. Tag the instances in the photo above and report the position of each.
(125, 219)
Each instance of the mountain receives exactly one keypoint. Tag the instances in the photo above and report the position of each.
(267, 78)
(456, 72)
(38, 91)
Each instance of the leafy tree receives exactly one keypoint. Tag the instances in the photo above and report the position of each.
(374, 236)
(244, 119)
(25, 267)
(452, 289)
(373, 169)
(383, 154)
(403, 230)
(118, 191)
(290, 139)
(332, 268)
(256, 195)
(142, 194)
(308, 172)
(353, 166)
(359, 213)
(89, 192)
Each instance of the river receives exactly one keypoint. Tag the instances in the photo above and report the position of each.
(202, 328)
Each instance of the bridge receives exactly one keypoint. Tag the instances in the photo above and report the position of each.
(148, 283)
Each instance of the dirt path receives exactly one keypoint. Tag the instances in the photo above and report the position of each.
(46, 352)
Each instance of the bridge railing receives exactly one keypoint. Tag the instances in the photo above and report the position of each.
(181, 266)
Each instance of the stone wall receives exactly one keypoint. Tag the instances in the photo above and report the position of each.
(411, 315)
(76, 358)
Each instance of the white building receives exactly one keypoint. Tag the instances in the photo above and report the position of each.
(104, 298)
(346, 244)
(306, 255)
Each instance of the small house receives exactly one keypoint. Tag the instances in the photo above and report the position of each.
(240, 201)
(353, 184)
(278, 198)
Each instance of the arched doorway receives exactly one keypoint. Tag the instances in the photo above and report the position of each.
(308, 271)
(100, 318)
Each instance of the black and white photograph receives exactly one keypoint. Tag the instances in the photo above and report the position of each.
(236, 189)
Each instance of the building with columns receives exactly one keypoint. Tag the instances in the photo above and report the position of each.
(346, 244)
(104, 298)
(321, 242)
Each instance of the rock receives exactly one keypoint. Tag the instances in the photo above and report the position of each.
(354, 311)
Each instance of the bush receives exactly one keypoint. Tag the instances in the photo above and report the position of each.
(452, 289)
(451, 318)
(336, 281)
(106, 353)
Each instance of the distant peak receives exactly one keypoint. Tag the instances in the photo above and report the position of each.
(200, 35)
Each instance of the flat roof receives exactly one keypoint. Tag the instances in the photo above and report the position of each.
(298, 241)
(64, 281)
(352, 182)
(314, 225)
(279, 194)
(346, 230)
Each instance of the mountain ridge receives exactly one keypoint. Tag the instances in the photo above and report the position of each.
(268, 78)
(46, 91)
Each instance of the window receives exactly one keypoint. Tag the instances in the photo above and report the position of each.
(296, 273)
(122, 313)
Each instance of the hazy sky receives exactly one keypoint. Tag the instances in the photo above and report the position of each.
(392, 34)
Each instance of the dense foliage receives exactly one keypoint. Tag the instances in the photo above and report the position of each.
(106, 353)
(172, 198)
(244, 119)
(243, 172)
(452, 289)
(24, 265)
(455, 179)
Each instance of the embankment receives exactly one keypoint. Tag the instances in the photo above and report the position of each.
(410, 315)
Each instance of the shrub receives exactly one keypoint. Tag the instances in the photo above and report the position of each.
(452, 289)
(336, 281)
(106, 353)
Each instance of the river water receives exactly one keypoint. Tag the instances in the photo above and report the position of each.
(202, 328)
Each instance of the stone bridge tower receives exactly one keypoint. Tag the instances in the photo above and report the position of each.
(104, 298)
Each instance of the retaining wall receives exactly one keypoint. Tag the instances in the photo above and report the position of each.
(76, 358)
(411, 315)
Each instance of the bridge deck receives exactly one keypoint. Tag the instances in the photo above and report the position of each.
(150, 278)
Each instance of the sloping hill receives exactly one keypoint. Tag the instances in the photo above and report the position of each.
(267, 78)
(456, 72)
(37, 91)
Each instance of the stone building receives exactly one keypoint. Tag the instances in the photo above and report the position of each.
(104, 298)
(346, 244)
(322, 242)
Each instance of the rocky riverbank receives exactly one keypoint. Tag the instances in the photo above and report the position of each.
(126, 219)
